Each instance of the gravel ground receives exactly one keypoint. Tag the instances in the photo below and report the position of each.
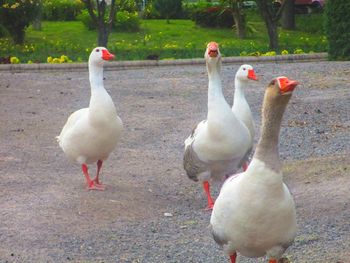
(47, 216)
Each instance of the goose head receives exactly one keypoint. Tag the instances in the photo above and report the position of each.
(278, 92)
(99, 55)
(245, 73)
(282, 86)
(212, 56)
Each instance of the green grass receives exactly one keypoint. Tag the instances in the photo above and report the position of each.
(179, 39)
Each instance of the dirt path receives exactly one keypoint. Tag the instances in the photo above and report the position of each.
(47, 216)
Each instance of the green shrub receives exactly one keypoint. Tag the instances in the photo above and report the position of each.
(125, 21)
(338, 29)
(16, 15)
(2, 31)
(214, 16)
(61, 10)
(85, 18)
(150, 12)
(169, 8)
(126, 5)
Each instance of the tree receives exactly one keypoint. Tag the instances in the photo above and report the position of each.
(337, 25)
(238, 15)
(17, 15)
(288, 15)
(99, 17)
(271, 14)
(168, 8)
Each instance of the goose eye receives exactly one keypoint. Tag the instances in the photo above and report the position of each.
(97, 50)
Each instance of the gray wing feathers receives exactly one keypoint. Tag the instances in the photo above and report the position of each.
(192, 164)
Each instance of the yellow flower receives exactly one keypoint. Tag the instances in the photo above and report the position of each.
(64, 58)
(14, 6)
(49, 59)
(284, 52)
(298, 51)
(30, 62)
(14, 60)
(270, 53)
(56, 60)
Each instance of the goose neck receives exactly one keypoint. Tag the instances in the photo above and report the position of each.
(96, 75)
(239, 91)
(267, 148)
(214, 87)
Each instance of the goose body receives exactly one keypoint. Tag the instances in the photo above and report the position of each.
(255, 212)
(240, 106)
(218, 145)
(91, 134)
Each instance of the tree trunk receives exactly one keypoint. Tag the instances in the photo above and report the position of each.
(103, 27)
(271, 18)
(288, 16)
(238, 17)
(239, 24)
(37, 20)
(102, 36)
(273, 34)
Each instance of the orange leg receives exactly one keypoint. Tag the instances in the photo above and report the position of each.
(273, 261)
(206, 187)
(91, 185)
(233, 257)
(99, 165)
(245, 166)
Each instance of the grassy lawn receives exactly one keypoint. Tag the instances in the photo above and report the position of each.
(179, 39)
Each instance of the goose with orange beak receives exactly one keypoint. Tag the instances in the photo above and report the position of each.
(254, 214)
(218, 145)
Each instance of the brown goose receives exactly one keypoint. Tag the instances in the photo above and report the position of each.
(255, 212)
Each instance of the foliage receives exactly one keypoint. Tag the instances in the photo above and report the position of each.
(169, 8)
(214, 16)
(150, 12)
(127, 22)
(337, 24)
(314, 25)
(127, 5)
(154, 38)
(124, 21)
(16, 15)
(85, 18)
(61, 10)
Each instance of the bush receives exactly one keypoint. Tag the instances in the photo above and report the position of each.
(61, 10)
(169, 8)
(16, 15)
(2, 31)
(338, 29)
(126, 5)
(214, 16)
(127, 21)
(150, 12)
(85, 18)
(124, 22)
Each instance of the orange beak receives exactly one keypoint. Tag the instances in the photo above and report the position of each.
(287, 85)
(213, 49)
(106, 55)
(251, 74)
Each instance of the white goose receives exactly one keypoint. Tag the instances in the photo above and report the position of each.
(255, 212)
(218, 145)
(240, 106)
(91, 134)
